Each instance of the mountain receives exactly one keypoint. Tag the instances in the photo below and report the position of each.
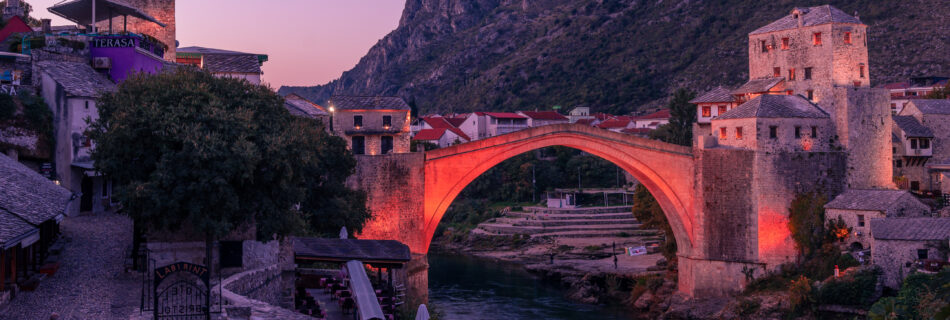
(612, 55)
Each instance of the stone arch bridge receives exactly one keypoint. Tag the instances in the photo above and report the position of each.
(717, 233)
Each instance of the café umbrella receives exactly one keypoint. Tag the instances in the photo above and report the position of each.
(87, 12)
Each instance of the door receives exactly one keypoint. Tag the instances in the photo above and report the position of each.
(232, 254)
(85, 202)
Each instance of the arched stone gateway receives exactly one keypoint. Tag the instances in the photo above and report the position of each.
(718, 227)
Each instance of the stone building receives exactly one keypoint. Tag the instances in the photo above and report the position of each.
(371, 125)
(301, 107)
(161, 10)
(713, 104)
(858, 207)
(898, 244)
(71, 89)
(224, 63)
(775, 123)
(912, 150)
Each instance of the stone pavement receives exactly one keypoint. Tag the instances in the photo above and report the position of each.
(91, 282)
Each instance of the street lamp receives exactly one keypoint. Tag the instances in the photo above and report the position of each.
(332, 109)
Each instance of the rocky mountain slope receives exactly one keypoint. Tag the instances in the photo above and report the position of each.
(612, 55)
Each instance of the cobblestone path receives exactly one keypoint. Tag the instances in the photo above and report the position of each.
(91, 282)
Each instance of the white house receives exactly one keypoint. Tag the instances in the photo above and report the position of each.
(543, 118)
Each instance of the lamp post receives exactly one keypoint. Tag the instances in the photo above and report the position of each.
(332, 109)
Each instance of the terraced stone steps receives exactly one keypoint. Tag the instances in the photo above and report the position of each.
(569, 222)
(507, 228)
(618, 215)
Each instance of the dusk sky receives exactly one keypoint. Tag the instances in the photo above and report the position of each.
(309, 42)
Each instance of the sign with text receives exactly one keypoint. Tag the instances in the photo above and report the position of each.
(186, 297)
(113, 43)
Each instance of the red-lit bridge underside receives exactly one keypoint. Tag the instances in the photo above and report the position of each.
(666, 170)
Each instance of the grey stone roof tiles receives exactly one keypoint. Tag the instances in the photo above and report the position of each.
(870, 200)
(775, 106)
(911, 229)
(231, 63)
(203, 50)
(895, 139)
(368, 102)
(912, 128)
(29, 195)
(812, 17)
(351, 249)
(301, 107)
(932, 106)
(78, 79)
(12, 227)
(719, 94)
(758, 85)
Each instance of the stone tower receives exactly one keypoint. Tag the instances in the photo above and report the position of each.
(161, 10)
(822, 54)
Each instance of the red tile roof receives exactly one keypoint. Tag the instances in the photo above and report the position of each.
(457, 121)
(618, 122)
(896, 85)
(544, 115)
(637, 130)
(585, 121)
(14, 25)
(504, 115)
(430, 134)
(602, 116)
(437, 122)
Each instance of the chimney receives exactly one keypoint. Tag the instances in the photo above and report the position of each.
(47, 26)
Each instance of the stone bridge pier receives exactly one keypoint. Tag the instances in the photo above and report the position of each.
(711, 212)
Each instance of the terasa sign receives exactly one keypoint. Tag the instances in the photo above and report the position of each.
(113, 43)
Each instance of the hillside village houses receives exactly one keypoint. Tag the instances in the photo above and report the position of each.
(807, 70)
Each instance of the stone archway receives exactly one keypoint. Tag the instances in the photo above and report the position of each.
(666, 170)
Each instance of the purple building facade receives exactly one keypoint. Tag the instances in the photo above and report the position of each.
(125, 55)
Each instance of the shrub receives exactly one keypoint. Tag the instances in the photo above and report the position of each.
(7, 107)
(799, 293)
(856, 290)
(747, 306)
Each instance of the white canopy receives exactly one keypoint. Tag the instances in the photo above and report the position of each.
(363, 293)
(422, 313)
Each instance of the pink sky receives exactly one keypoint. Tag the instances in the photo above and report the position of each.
(309, 42)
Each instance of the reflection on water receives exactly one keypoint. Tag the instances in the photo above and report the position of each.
(469, 288)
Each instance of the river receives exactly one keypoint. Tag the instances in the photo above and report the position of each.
(469, 288)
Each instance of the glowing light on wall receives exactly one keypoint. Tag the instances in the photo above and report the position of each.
(774, 236)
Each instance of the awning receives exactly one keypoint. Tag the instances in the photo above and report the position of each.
(80, 11)
(389, 252)
(367, 306)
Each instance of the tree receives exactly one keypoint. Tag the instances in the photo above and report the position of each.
(807, 222)
(190, 151)
(682, 116)
(939, 93)
(649, 213)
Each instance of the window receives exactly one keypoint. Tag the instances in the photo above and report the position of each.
(784, 43)
(232, 254)
(857, 83)
(808, 73)
(847, 37)
(921, 254)
(722, 109)
(798, 132)
(359, 145)
(773, 132)
(357, 121)
(899, 163)
(915, 185)
(894, 150)
(722, 133)
(925, 143)
(707, 111)
(861, 70)
(387, 122)
(814, 131)
(776, 72)
(811, 94)
(789, 92)
(738, 133)
(860, 220)
(816, 38)
(87, 105)
(913, 143)
(386, 145)
(765, 48)
(791, 74)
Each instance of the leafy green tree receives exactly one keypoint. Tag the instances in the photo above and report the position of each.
(647, 210)
(940, 93)
(190, 151)
(682, 116)
(807, 222)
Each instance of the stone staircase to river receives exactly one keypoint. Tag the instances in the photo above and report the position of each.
(566, 223)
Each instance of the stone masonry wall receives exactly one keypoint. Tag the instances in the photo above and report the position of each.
(394, 185)
(893, 256)
(863, 120)
(779, 178)
(161, 10)
(727, 204)
(859, 234)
